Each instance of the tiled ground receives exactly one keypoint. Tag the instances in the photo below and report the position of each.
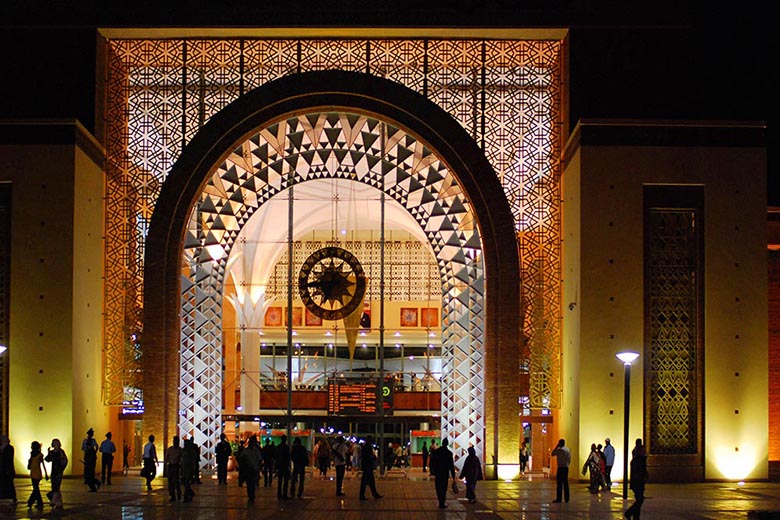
(404, 499)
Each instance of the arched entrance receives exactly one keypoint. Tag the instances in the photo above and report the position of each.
(463, 174)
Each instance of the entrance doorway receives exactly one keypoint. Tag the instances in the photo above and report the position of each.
(359, 204)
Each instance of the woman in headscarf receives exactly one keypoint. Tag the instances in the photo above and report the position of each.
(472, 472)
(59, 461)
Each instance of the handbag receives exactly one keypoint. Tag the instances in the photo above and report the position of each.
(455, 486)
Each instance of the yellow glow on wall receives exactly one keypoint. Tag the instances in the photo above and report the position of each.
(508, 471)
(735, 463)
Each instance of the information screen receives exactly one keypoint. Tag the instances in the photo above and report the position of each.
(354, 398)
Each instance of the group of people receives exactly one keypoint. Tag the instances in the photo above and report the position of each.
(55, 455)
(90, 449)
(182, 466)
(599, 465)
(58, 460)
(288, 465)
(396, 456)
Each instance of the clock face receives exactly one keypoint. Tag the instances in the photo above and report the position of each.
(332, 283)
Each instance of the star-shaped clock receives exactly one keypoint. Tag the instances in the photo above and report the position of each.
(332, 283)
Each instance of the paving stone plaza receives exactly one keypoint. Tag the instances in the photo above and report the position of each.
(404, 498)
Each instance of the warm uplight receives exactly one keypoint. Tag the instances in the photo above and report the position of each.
(627, 357)
(735, 463)
(508, 472)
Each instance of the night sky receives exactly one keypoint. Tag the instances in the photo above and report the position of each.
(658, 60)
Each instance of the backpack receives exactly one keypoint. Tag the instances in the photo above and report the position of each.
(337, 452)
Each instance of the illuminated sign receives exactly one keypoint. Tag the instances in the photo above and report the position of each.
(359, 397)
(387, 396)
(132, 409)
(353, 398)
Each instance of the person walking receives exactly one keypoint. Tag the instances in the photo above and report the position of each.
(249, 462)
(269, 460)
(367, 465)
(149, 470)
(389, 456)
(609, 461)
(300, 459)
(59, 461)
(173, 469)
(323, 457)
(442, 466)
(282, 469)
(523, 458)
(425, 456)
(89, 447)
(196, 477)
(355, 456)
(472, 472)
(340, 456)
(107, 450)
(190, 462)
(34, 464)
(125, 457)
(638, 479)
(223, 451)
(563, 457)
(7, 469)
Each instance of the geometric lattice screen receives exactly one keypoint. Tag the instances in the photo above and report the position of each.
(672, 294)
(507, 94)
(330, 145)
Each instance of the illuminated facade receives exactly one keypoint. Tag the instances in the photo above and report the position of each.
(437, 159)
(506, 94)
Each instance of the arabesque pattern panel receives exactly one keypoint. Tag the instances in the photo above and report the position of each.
(673, 365)
(506, 93)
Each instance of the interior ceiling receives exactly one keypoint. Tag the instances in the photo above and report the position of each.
(333, 205)
(322, 209)
(325, 208)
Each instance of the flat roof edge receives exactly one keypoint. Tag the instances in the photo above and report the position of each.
(508, 33)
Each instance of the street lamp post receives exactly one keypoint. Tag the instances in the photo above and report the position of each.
(627, 358)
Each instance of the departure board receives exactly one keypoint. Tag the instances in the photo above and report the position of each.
(353, 398)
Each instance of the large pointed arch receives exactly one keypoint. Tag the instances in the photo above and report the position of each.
(335, 92)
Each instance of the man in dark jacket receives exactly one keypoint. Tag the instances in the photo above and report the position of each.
(269, 458)
(282, 469)
(300, 459)
(249, 466)
(173, 470)
(367, 464)
(223, 452)
(190, 465)
(442, 466)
